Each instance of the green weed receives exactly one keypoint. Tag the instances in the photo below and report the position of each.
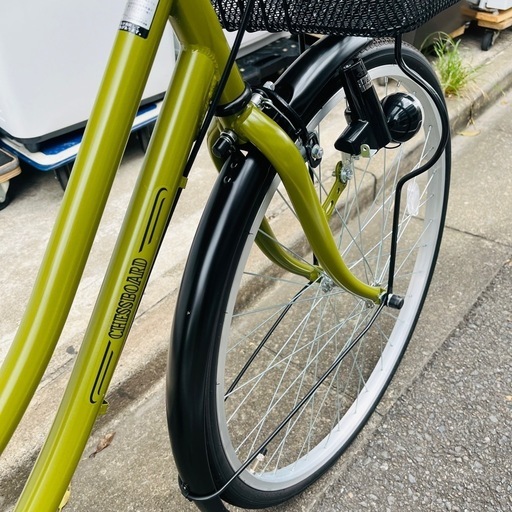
(454, 73)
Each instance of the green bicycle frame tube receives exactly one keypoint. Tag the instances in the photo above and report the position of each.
(124, 284)
(289, 164)
(94, 170)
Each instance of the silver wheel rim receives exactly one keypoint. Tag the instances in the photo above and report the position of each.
(267, 474)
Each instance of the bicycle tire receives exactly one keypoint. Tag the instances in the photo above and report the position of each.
(301, 346)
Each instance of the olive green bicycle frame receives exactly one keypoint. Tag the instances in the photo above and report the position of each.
(203, 55)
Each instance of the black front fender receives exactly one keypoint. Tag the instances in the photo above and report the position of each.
(238, 192)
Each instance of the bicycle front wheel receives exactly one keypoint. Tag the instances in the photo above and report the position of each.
(275, 333)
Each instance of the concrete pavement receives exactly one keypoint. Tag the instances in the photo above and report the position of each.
(446, 444)
(478, 242)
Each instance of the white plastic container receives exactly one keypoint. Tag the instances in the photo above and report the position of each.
(499, 4)
(52, 58)
(492, 4)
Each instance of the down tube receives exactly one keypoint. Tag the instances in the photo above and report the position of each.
(133, 258)
(101, 150)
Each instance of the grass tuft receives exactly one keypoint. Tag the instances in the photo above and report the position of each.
(454, 74)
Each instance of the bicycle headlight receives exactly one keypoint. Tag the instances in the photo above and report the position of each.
(403, 115)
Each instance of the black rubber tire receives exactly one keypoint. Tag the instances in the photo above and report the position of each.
(488, 39)
(143, 135)
(241, 492)
(5, 203)
(62, 175)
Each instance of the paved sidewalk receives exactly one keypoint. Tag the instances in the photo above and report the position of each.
(447, 442)
(136, 472)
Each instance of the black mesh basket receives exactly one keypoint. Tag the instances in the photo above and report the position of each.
(372, 18)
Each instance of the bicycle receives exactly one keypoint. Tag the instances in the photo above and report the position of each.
(264, 394)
